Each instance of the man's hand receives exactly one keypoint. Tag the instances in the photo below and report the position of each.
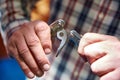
(103, 53)
(29, 45)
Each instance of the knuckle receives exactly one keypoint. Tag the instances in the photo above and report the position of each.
(94, 68)
(86, 36)
(16, 34)
(45, 42)
(33, 42)
(41, 26)
(86, 51)
(23, 52)
(15, 38)
(41, 61)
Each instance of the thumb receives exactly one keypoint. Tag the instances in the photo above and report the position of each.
(90, 38)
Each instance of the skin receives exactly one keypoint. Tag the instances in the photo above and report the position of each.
(32, 41)
(29, 45)
(103, 54)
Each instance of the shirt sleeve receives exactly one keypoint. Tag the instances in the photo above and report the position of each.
(12, 14)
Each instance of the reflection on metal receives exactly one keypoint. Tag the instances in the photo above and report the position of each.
(60, 36)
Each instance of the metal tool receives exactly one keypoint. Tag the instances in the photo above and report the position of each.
(60, 36)
(75, 37)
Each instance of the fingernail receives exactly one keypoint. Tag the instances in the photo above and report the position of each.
(31, 75)
(46, 67)
(47, 50)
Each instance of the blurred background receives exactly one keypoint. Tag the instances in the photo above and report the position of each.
(10, 70)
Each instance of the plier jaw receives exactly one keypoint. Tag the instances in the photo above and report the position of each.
(60, 36)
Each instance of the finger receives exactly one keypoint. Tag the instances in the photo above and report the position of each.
(25, 68)
(90, 38)
(103, 65)
(113, 75)
(36, 49)
(43, 32)
(11, 48)
(14, 53)
(26, 55)
(95, 51)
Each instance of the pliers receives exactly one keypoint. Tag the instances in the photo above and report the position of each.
(60, 36)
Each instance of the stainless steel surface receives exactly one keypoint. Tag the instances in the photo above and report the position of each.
(60, 36)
